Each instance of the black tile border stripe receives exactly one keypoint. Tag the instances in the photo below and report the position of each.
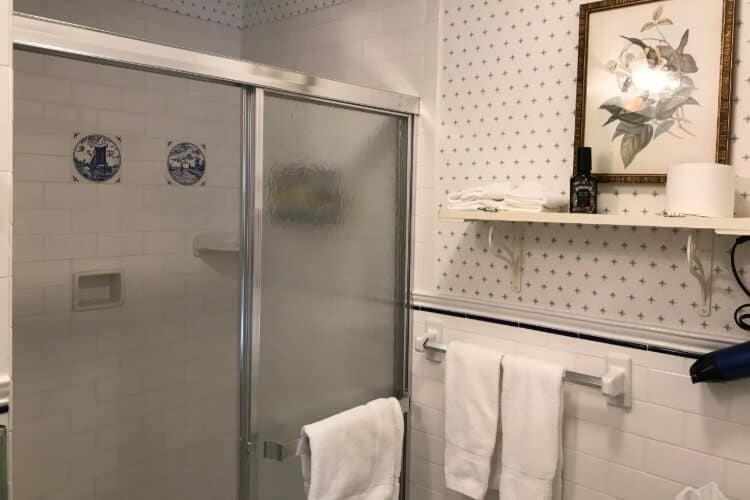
(556, 331)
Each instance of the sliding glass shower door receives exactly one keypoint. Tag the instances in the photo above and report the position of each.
(330, 244)
(126, 283)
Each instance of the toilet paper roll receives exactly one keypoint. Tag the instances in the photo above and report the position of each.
(702, 189)
(742, 198)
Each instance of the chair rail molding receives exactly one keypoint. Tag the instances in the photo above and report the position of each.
(636, 333)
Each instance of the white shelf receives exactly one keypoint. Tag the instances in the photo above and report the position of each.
(216, 242)
(699, 241)
(726, 226)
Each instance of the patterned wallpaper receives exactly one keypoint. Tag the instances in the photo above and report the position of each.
(507, 89)
(241, 13)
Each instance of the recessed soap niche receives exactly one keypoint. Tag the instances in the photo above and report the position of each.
(98, 290)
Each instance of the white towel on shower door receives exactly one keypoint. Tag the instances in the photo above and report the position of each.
(355, 454)
(532, 405)
(472, 403)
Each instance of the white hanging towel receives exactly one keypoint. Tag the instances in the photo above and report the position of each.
(534, 197)
(532, 403)
(709, 491)
(472, 404)
(355, 454)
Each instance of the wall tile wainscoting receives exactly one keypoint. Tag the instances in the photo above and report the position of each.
(676, 433)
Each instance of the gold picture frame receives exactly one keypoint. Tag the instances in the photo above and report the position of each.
(658, 57)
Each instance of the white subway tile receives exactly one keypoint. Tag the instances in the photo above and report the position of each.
(43, 89)
(573, 491)
(427, 420)
(27, 195)
(427, 474)
(678, 391)
(119, 122)
(43, 143)
(138, 101)
(119, 244)
(96, 96)
(6, 132)
(586, 470)
(40, 274)
(739, 401)
(609, 444)
(681, 465)
(35, 167)
(69, 246)
(428, 392)
(718, 437)
(95, 220)
(631, 484)
(427, 447)
(63, 195)
(37, 221)
(737, 480)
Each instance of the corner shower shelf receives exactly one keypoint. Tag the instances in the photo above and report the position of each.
(216, 242)
(699, 246)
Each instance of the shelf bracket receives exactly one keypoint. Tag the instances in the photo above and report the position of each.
(510, 251)
(700, 256)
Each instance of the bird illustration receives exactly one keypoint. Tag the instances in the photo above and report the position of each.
(652, 53)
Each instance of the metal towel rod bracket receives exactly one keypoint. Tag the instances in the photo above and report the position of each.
(615, 384)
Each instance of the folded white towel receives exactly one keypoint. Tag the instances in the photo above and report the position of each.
(355, 454)
(532, 402)
(534, 196)
(494, 191)
(464, 205)
(472, 403)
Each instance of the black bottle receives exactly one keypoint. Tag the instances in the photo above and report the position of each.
(583, 186)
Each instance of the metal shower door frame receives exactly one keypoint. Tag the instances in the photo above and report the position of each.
(63, 39)
(253, 213)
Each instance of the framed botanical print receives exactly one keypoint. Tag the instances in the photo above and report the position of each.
(654, 85)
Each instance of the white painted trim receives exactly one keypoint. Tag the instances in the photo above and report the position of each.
(630, 332)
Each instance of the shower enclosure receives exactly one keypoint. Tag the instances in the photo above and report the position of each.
(171, 336)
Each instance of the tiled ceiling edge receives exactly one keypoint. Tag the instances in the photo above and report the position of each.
(257, 12)
(228, 13)
(240, 14)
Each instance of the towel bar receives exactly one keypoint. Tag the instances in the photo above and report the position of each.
(572, 377)
(281, 451)
(616, 383)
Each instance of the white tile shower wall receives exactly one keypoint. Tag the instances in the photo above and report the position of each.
(676, 433)
(137, 401)
(507, 101)
(386, 44)
(129, 18)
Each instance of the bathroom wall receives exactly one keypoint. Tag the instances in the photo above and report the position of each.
(507, 87)
(133, 19)
(137, 401)
(676, 434)
(386, 44)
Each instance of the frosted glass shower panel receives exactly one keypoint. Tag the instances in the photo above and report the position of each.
(332, 269)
